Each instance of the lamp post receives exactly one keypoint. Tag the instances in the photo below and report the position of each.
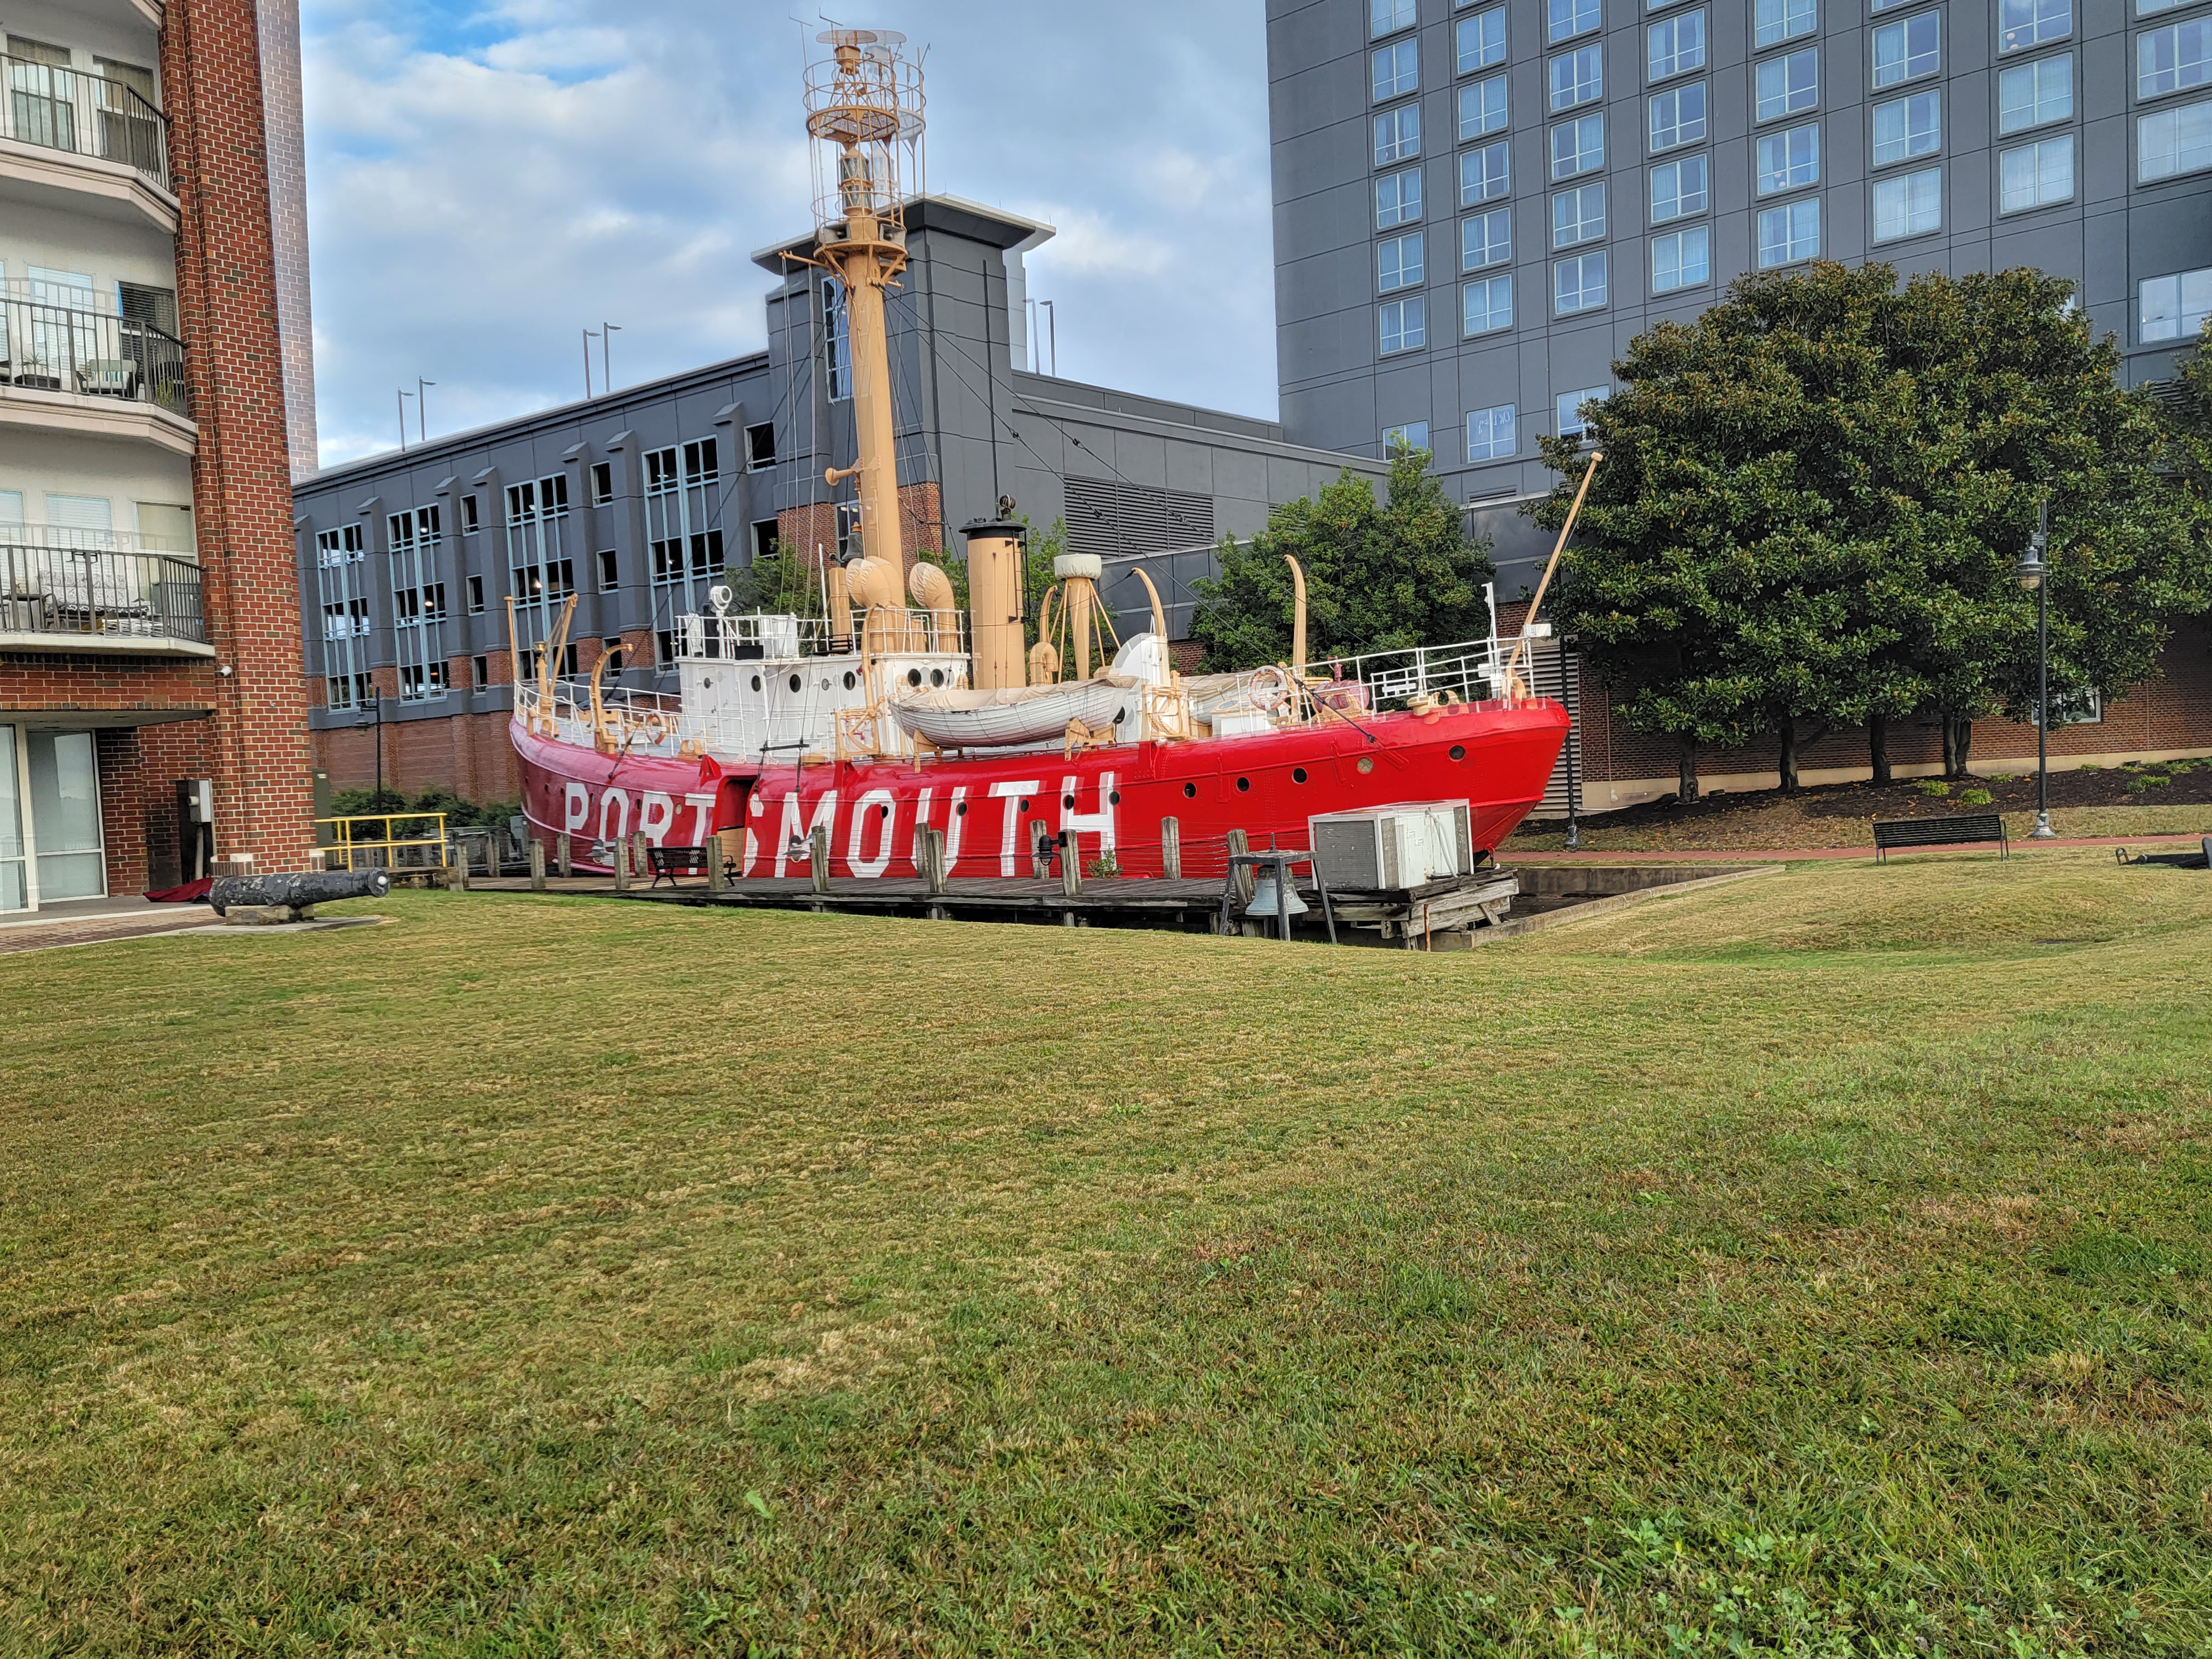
(376, 712)
(2032, 572)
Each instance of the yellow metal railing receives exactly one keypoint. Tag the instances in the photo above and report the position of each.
(348, 845)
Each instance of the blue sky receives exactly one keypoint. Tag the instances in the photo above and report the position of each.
(485, 180)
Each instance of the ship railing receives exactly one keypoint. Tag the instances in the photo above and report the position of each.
(784, 637)
(653, 716)
(1471, 670)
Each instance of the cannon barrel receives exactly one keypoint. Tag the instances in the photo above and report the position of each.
(298, 890)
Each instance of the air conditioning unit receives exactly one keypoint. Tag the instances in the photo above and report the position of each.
(1390, 849)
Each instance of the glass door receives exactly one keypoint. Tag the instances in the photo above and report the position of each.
(15, 895)
(65, 817)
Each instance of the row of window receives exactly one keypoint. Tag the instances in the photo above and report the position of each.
(2021, 23)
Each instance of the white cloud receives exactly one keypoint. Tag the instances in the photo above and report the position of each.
(484, 184)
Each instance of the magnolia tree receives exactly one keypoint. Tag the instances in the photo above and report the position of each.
(1814, 499)
(1380, 575)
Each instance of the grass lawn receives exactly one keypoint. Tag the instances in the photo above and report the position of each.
(1817, 1266)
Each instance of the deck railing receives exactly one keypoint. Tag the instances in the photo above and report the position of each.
(66, 109)
(51, 586)
(51, 346)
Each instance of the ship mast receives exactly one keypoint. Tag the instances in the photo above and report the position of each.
(864, 115)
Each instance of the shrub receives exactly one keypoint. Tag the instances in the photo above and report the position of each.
(1933, 786)
(1106, 868)
(2088, 766)
(1974, 797)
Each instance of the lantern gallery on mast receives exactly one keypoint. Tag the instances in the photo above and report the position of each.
(903, 394)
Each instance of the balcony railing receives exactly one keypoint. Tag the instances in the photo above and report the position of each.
(72, 583)
(66, 109)
(57, 346)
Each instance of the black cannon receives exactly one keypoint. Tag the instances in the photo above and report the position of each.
(298, 893)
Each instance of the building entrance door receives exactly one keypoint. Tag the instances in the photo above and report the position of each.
(15, 889)
(72, 860)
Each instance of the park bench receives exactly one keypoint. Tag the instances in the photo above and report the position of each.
(1963, 829)
(669, 862)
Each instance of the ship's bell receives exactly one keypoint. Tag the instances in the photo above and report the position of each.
(1265, 903)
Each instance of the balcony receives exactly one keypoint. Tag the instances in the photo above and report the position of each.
(68, 367)
(97, 590)
(67, 138)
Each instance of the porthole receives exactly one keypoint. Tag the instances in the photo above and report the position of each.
(1459, 751)
(1115, 798)
(1067, 801)
(1243, 784)
(1367, 763)
(1297, 775)
(913, 676)
(757, 682)
(937, 676)
(960, 809)
(883, 811)
(1190, 792)
(851, 679)
(1024, 805)
(825, 682)
(796, 682)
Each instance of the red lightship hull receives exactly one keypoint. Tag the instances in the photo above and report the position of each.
(1108, 801)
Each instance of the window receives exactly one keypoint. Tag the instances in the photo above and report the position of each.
(1906, 127)
(1777, 21)
(1388, 16)
(1579, 284)
(1789, 85)
(476, 596)
(1682, 259)
(479, 673)
(603, 483)
(2036, 175)
(1578, 147)
(1788, 233)
(609, 570)
(1397, 134)
(350, 691)
(1569, 410)
(682, 500)
(2173, 307)
(142, 302)
(1398, 264)
(2173, 59)
(1485, 174)
(468, 523)
(419, 602)
(837, 341)
(1486, 307)
(1487, 240)
(2173, 142)
(1490, 434)
(1398, 439)
(1908, 204)
(2025, 23)
(1479, 40)
(1579, 216)
(1568, 18)
(1678, 189)
(759, 445)
(1481, 107)
(2146, 8)
(333, 547)
(1395, 70)
(1577, 77)
(422, 682)
(1909, 47)
(1398, 198)
(764, 537)
(1404, 325)
(2035, 93)
(1790, 160)
(1676, 45)
(1678, 116)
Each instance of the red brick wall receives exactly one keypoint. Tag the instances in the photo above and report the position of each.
(921, 524)
(468, 754)
(241, 476)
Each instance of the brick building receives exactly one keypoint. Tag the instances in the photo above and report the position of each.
(149, 609)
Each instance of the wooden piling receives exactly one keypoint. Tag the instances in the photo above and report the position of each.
(620, 854)
(1171, 848)
(537, 865)
(567, 855)
(817, 857)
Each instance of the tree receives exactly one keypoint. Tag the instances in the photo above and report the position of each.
(1815, 496)
(1380, 575)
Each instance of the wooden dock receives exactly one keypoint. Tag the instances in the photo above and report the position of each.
(1414, 918)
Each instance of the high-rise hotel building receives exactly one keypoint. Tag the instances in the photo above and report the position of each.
(1479, 204)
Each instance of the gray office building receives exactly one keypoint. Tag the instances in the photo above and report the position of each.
(1478, 205)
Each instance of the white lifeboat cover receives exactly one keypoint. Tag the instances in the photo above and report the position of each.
(1021, 713)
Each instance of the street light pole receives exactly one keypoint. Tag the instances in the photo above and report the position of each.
(2034, 575)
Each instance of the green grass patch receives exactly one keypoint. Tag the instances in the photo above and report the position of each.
(1813, 1266)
